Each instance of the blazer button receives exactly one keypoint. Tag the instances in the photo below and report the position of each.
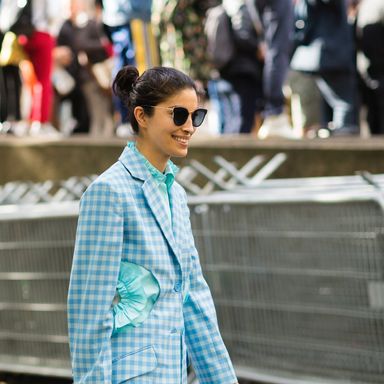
(177, 287)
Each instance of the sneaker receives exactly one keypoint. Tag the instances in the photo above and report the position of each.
(43, 129)
(5, 127)
(277, 126)
(35, 128)
(326, 132)
(20, 128)
(347, 131)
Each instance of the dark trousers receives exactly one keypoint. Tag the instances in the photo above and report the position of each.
(124, 51)
(10, 89)
(277, 17)
(79, 110)
(340, 93)
(373, 99)
(250, 93)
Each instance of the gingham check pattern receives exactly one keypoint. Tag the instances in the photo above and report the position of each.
(122, 217)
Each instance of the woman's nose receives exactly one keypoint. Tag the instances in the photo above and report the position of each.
(188, 126)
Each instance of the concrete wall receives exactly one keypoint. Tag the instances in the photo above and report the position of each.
(38, 159)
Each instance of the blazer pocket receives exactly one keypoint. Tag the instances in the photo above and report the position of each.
(134, 364)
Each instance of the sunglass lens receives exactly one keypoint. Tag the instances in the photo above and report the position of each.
(180, 115)
(198, 117)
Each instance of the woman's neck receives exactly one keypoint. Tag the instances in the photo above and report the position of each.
(158, 160)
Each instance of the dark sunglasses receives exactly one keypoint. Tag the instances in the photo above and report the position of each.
(181, 114)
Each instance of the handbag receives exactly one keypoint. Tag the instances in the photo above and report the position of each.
(102, 73)
(62, 81)
(11, 52)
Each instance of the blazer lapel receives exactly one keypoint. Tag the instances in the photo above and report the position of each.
(174, 198)
(134, 165)
(155, 202)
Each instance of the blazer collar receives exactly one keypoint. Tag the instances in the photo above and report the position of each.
(138, 166)
(134, 164)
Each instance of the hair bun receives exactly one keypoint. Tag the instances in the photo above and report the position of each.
(124, 81)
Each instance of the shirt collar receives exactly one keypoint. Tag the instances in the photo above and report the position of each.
(168, 177)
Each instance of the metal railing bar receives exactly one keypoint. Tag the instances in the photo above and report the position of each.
(39, 244)
(211, 176)
(268, 169)
(360, 312)
(299, 272)
(38, 307)
(59, 339)
(34, 275)
(38, 368)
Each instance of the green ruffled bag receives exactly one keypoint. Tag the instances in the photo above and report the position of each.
(137, 292)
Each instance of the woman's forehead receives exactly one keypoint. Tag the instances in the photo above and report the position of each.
(185, 96)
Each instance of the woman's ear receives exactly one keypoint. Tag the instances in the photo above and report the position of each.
(140, 116)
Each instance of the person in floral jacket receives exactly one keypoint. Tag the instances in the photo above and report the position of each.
(183, 45)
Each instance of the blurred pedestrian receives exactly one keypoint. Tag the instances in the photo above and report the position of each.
(305, 100)
(80, 45)
(97, 57)
(370, 61)
(66, 56)
(138, 302)
(179, 26)
(30, 21)
(117, 17)
(244, 70)
(277, 18)
(39, 44)
(182, 41)
(10, 81)
(325, 49)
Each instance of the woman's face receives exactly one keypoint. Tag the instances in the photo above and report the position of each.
(160, 138)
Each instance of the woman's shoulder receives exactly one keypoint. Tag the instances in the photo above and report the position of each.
(114, 180)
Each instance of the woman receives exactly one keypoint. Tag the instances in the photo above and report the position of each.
(138, 302)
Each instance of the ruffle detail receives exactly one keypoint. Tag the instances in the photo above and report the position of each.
(138, 291)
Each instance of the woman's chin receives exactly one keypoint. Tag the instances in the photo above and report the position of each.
(179, 152)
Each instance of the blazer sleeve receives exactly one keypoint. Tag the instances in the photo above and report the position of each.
(206, 348)
(94, 275)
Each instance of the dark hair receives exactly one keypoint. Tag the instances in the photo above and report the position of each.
(151, 88)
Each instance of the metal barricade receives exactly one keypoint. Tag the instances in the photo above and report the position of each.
(298, 282)
(297, 279)
(36, 246)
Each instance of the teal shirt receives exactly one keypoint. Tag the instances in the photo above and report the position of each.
(164, 180)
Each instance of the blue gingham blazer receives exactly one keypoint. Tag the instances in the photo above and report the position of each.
(122, 218)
